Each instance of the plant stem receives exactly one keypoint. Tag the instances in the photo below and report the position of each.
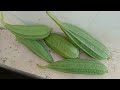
(54, 18)
(43, 67)
(2, 18)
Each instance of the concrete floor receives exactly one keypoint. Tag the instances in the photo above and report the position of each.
(104, 26)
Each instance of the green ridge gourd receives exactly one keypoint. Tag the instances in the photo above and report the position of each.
(27, 31)
(83, 39)
(78, 66)
(37, 47)
(63, 47)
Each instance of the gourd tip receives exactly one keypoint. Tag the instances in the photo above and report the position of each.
(110, 57)
(107, 71)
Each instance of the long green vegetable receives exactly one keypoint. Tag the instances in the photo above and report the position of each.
(27, 31)
(37, 47)
(78, 66)
(62, 46)
(83, 40)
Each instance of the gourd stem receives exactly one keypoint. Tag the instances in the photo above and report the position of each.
(43, 67)
(2, 18)
(54, 18)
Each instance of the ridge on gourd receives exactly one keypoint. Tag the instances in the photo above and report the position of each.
(83, 39)
(37, 47)
(78, 66)
(62, 46)
(27, 31)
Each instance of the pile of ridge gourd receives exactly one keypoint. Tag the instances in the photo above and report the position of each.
(37, 37)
